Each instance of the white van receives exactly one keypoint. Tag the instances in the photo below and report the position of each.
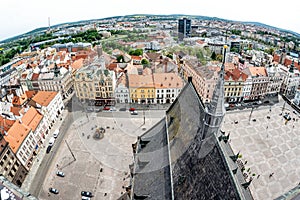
(51, 141)
(56, 132)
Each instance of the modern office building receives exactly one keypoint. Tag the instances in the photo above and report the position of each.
(184, 28)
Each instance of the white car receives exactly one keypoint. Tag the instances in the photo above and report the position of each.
(112, 109)
(56, 132)
(51, 141)
(134, 112)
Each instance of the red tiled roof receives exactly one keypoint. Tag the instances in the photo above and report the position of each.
(112, 66)
(16, 135)
(6, 123)
(44, 97)
(35, 77)
(136, 81)
(167, 80)
(32, 118)
(235, 75)
(77, 64)
(136, 57)
(15, 110)
(258, 71)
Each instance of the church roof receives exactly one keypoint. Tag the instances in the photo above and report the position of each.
(198, 168)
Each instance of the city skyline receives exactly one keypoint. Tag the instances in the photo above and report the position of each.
(20, 17)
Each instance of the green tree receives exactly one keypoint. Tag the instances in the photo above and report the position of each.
(169, 55)
(145, 62)
(136, 52)
(120, 58)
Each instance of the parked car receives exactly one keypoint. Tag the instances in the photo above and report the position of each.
(106, 108)
(51, 141)
(48, 149)
(122, 109)
(61, 174)
(134, 112)
(53, 190)
(89, 109)
(97, 109)
(112, 109)
(131, 109)
(85, 198)
(56, 132)
(86, 194)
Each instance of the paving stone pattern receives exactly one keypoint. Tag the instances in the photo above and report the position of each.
(269, 146)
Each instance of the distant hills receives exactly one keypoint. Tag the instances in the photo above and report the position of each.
(269, 26)
(199, 17)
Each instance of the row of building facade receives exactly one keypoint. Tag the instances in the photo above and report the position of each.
(25, 122)
(243, 83)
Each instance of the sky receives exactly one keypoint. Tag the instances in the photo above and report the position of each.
(18, 17)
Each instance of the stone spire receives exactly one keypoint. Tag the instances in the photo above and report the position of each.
(216, 106)
(215, 111)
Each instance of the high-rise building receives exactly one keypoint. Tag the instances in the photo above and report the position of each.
(184, 28)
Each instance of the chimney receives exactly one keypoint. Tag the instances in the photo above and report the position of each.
(189, 79)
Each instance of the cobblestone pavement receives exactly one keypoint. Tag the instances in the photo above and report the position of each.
(269, 146)
(100, 166)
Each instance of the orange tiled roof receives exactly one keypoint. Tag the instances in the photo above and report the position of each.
(147, 71)
(23, 98)
(167, 80)
(153, 56)
(136, 81)
(6, 123)
(112, 66)
(35, 77)
(44, 97)
(122, 80)
(15, 110)
(77, 64)
(16, 135)
(29, 94)
(24, 76)
(229, 67)
(235, 75)
(32, 118)
(136, 57)
(18, 63)
(258, 71)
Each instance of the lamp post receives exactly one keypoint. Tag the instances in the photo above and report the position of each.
(70, 151)
(144, 116)
(252, 108)
(284, 95)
